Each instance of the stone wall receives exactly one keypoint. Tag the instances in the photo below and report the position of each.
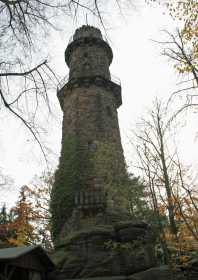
(89, 59)
(90, 119)
(90, 112)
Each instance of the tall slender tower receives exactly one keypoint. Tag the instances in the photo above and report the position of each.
(92, 156)
(87, 203)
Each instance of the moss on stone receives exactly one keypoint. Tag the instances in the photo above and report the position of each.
(69, 178)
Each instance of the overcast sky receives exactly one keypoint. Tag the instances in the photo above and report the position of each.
(144, 74)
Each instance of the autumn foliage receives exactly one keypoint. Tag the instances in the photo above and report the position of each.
(28, 221)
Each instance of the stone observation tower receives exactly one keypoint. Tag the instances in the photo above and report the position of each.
(89, 214)
(91, 145)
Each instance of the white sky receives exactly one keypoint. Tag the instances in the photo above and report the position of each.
(144, 74)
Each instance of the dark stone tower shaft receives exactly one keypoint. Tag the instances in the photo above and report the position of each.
(93, 233)
(90, 98)
(91, 156)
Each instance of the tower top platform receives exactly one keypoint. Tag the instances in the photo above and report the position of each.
(87, 31)
(84, 36)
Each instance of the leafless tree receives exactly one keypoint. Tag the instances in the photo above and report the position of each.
(172, 189)
(150, 181)
(188, 204)
(24, 85)
(184, 57)
(155, 156)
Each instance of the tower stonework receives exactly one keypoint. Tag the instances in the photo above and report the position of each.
(92, 230)
(90, 98)
(90, 136)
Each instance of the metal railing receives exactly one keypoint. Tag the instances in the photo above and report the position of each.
(63, 82)
(66, 79)
(104, 38)
(89, 199)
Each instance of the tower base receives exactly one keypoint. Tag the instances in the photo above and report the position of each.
(122, 248)
(112, 251)
(155, 273)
